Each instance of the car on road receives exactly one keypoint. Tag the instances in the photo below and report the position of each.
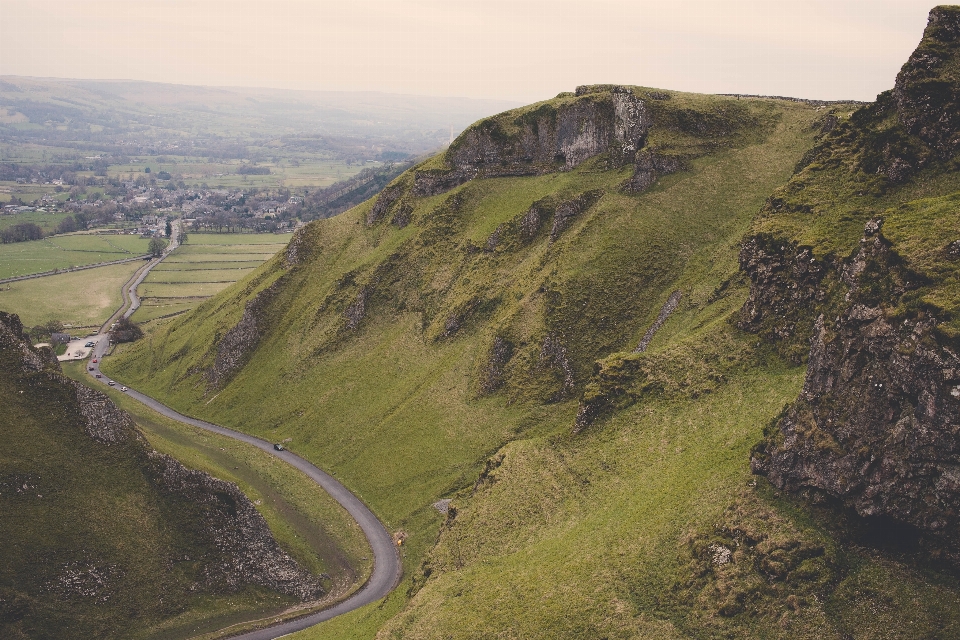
(94, 361)
(278, 447)
(111, 383)
(99, 375)
(123, 388)
(90, 368)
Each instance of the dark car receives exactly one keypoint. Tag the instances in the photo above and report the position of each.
(88, 345)
(278, 447)
(89, 368)
(99, 375)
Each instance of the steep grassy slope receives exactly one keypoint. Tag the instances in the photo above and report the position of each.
(401, 356)
(104, 538)
(435, 343)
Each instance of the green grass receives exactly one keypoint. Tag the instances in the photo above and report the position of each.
(198, 275)
(80, 298)
(200, 238)
(46, 221)
(181, 289)
(61, 252)
(153, 308)
(306, 521)
(172, 264)
(90, 507)
(203, 266)
(600, 534)
(311, 172)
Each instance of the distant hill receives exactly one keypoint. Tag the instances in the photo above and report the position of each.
(132, 117)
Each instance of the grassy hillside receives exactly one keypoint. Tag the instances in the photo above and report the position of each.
(440, 348)
(92, 546)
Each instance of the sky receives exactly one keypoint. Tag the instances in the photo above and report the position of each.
(520, 50)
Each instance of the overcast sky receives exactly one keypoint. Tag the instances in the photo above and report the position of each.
(523, 50)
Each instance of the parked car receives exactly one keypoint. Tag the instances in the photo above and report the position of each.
(89, 344)
(278, 447)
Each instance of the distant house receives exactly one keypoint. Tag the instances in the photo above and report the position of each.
(270, 206)
(59, 338)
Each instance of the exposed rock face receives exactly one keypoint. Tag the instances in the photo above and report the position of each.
(877, 424)
(553, 355)
(384, 201)
(243, 550)
(567, 211)
(105, 422)
(12, 338)
(491, 378)
(665, 312)
(544, 140)
(649, 167)
(357, 309)
(296, 248)
(927, 91)
(786, 289)
(239, 343)
(248, 552)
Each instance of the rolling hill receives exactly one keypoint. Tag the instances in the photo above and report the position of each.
(554, 357)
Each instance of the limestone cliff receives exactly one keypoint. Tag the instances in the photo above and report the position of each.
(877, 424)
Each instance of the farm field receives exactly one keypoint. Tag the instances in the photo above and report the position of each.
(63, 252)
(304, 172)
(46, 221)
(203, 266)
(80, 298)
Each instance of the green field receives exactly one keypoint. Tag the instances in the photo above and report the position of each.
(63, 252)
(204, 265)
(170, 264)
(203, 275)
(305, 172)
(46, 221)
(181, 289)
(80, 298)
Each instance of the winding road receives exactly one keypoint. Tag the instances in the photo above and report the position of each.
(386, 559)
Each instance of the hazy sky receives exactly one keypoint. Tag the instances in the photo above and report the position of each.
(522, 50)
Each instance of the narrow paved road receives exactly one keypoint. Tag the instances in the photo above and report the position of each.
(129, 300)
(386, 560)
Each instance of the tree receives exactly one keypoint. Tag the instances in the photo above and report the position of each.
(126, 331)
(156, 247)
(67, 225)
(168, 231)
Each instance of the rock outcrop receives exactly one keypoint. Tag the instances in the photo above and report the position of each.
(649, 166)
(239, 342)
(547, 139)
(877, 424)
(105, 421)
(556, 136)
(13, 339)
(786, 289)
(927, 91)
(247, 551)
